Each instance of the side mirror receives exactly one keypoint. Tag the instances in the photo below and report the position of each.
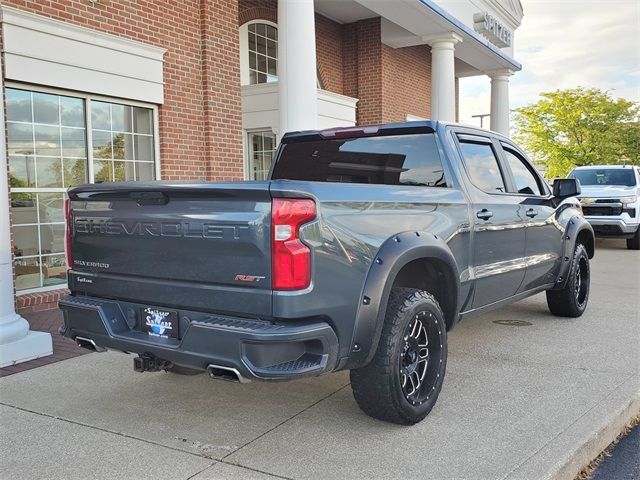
(566, 187)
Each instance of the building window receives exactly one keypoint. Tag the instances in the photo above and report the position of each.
(260, 52)
(262, 146)
(123, 147)
(51, 147)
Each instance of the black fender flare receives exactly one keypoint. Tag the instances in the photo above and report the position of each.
(577, 227)
(396, 252)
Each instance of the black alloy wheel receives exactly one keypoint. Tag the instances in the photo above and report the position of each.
(403, 380)
(421, 358)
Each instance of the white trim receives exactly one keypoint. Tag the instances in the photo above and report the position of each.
(260, 108)
(337, 98)
(244, 54)
(38, 48)
(156, 140)
(58, 28)
(325, 95)
(511, 11)
(64, 92)
(40, 190)
(259, 89)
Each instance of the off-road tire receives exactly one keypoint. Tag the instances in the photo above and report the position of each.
(572, 299)
(634, 243)
(378, 387)
(179, 370)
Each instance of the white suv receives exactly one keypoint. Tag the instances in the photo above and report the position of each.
(610, 200)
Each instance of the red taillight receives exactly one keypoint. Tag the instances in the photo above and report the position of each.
(291, 268)
(67, 235)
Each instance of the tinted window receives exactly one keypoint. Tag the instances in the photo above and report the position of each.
(526, 181)
(389, 160)
(482, 166)
(605, 176)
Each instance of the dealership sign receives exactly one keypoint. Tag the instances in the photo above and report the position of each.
(489, 26)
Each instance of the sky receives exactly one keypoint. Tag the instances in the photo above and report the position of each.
(565, 44)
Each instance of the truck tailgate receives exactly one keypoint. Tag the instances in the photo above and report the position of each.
(197, 246)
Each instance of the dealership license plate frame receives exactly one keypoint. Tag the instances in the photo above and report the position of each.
(163, 324)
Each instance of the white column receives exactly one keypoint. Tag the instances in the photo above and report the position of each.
(297, 77)
(500, 101)
(17, 343)
(443, 80)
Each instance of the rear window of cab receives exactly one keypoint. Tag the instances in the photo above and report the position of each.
(388, 160)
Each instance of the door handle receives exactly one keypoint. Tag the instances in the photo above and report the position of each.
(531, 213)
(484, 214)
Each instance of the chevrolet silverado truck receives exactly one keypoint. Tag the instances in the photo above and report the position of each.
(610, 201)
(361, 250)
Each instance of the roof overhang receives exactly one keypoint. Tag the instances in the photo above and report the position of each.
(417, 22)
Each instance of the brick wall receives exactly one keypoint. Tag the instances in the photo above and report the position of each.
(406, 82)
(257, 10)
(329, 38)
(362, 54)
(200, 123)
(389, 82)
(37, 302)
(221, 89)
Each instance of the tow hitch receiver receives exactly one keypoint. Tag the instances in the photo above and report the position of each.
(149, 363)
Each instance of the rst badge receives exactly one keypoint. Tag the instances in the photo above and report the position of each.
(160, 323)
(249, 278)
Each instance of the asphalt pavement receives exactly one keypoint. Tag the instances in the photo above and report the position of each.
(526, 396)
(624, 460)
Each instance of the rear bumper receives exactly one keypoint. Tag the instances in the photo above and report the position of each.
(257, 349)
(612, 227)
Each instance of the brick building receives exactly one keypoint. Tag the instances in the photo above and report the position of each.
(112, 90)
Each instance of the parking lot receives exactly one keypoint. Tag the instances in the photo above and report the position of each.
(527, 395)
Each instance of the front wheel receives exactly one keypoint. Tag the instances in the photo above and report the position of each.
(402, 382)
(571, 301)
(634, 242)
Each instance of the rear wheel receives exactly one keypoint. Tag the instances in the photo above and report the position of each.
(634, 243)
(571, 301)
(403, 381)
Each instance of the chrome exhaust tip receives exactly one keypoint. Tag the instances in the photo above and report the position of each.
(89, 344)
(228, 374)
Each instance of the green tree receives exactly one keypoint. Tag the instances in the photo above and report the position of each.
(579, 126)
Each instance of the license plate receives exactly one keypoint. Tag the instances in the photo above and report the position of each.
(159, 322)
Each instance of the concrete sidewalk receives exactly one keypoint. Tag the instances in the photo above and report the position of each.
(519, 402)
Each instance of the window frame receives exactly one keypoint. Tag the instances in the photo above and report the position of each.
(247, 152)
(87, 98)
(244, 51)
(474, 138)
(505, 146)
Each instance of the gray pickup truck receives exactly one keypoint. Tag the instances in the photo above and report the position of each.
(364, 247)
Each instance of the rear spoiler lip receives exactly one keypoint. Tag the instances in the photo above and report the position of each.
(405, 128)
(105, 191)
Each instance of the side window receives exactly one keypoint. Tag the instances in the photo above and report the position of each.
(526, 181)
(482, 166)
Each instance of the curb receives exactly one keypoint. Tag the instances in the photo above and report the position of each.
(582, 441)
